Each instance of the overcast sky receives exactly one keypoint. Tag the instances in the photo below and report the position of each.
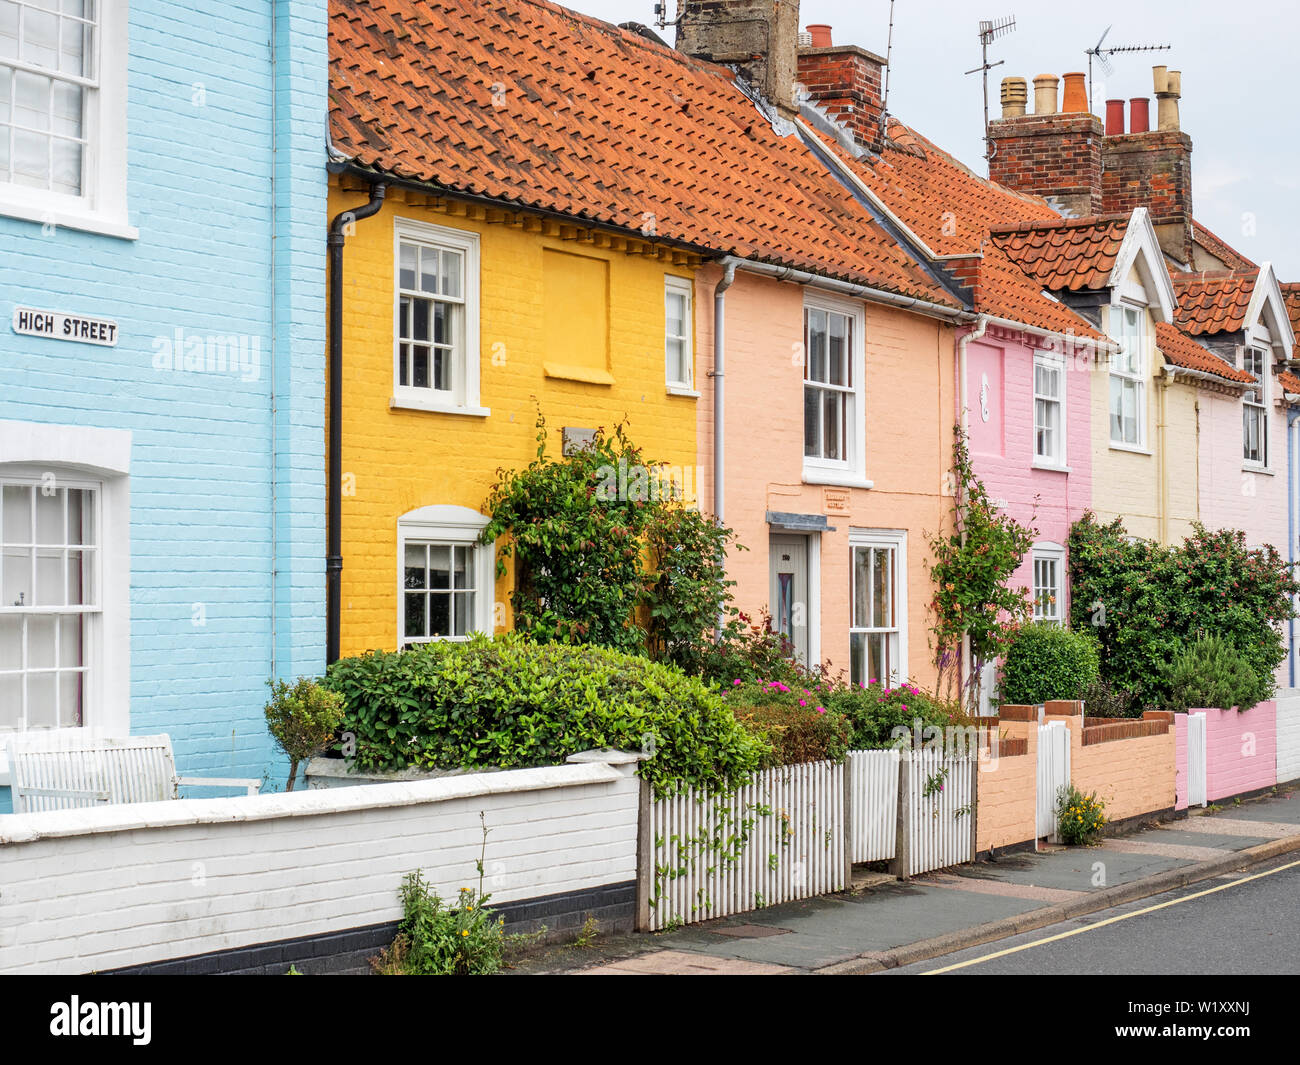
(1238, 68)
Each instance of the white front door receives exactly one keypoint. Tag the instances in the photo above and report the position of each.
(789, 594)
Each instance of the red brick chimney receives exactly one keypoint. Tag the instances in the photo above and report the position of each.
(1153, 169)
(846, 82)
(759, 37)
(1053, 153)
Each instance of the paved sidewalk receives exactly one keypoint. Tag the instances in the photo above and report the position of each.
(889, 923)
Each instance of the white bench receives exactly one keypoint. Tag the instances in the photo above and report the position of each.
(66, 769)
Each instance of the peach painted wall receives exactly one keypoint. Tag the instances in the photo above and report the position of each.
(1002, 445)
(1132, 776)
(908, 424)
(1005, 813)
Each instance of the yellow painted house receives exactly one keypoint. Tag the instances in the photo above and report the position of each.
(460, 324)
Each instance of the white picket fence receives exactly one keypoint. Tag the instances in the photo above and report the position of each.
(777, 839)
(783, 836)
(940, 823)
(873, 798)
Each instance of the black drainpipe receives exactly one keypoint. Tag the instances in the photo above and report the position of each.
(334, 486)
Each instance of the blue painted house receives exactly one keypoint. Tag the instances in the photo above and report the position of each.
(162, 334)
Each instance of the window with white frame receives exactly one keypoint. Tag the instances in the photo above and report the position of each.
(877, 630)
(1128, 379)
(832, 389)
(436, 358)
(1254, 411)
(49, 600)
(1049, 409)
(447, 580)
(1049, 583)
(678, 319)
(63, 109)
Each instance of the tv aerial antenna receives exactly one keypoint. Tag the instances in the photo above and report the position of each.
(990, 31)
(1102, 55)
(662, 21)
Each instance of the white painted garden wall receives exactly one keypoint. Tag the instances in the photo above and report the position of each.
(105, 888)
(1288, 735)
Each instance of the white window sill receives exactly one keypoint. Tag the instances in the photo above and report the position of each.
(835, 478)
(1266, 471)
(435, 406)
(70, 218)
(1131, 449)
(1051, 467)
(683, 390)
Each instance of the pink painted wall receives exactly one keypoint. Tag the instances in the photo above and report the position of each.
(1233, 497)
(1002, 446)
(908, 421)
(1241, 750)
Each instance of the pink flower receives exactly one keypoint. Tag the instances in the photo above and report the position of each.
(821, 709)
(803, 702)
(905, 706)
(736, 681)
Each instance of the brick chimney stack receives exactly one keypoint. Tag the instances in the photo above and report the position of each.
(846, 82)
(1052, 153)
(1152, 168)
(1065, 155)
(759, 37)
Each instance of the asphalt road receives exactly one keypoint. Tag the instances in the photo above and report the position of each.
(1246, 922)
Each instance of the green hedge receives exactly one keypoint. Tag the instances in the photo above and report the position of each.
(507, 702)
(1211, 673)
(1046, 661)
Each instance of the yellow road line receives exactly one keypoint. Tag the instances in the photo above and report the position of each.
(1110, 920)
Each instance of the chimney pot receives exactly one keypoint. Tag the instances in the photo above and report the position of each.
(820, 33)
(1160, 78)
(1045, 89)
(1139, 115)
(1169, 86)
(1076, 93)
(1015, 96)
(1114, 118)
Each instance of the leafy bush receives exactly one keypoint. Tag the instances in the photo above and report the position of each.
(1211, 673)
(792, 722)
(877, 712)
(1101, 698)
(1046, 661)
(753, 652)
(578, 549)
(1079, 817)
(510, 702)
(434, 939)
(302, 718)
(972, 568)
(687, 588)
(1147, 602)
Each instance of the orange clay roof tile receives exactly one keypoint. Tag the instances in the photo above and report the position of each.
(526, 103)
(1069, 254)
(1181, 350)
(1221, 249)
(952, 210)
(1291, 296)
(1213, 301)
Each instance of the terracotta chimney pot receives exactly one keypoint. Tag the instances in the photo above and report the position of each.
(1076, 93)
(1045, 89)
(1114, 118)
(1015, 97)
(1139, 115)
(821, 34)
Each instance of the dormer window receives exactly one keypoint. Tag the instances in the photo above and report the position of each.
(1254, 411)
(1128, 381)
